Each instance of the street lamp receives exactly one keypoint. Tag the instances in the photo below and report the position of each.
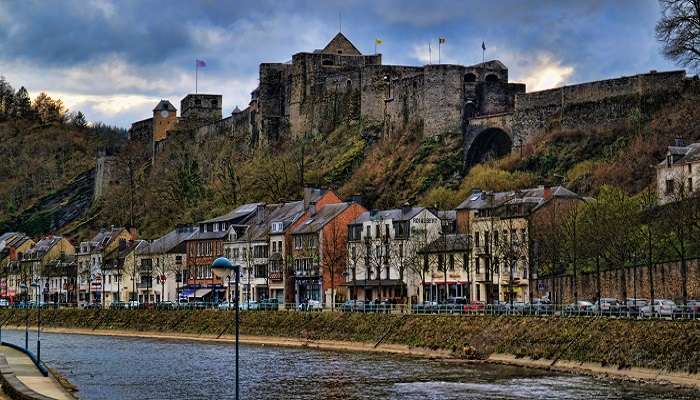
(223, 268)
(38, 327)
(24, 289)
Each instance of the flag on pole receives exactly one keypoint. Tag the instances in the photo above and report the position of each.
(483, 46)
(201, 63)
(441, 40)
(378, 41)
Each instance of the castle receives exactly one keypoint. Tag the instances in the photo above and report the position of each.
(318, 91)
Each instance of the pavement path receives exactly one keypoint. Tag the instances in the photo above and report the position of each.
(29, 374)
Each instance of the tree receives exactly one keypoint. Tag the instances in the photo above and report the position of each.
(78, 120)
(22, 105)
(48, 109)
(334, 253)
(679, 30)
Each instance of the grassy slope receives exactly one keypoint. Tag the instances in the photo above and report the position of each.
(667, 345)
(37, 161)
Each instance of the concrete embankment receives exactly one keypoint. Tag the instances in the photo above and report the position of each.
(644, 350)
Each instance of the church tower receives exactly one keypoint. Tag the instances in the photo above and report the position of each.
(164, 119)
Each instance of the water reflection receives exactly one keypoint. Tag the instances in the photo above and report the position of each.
(125, 368)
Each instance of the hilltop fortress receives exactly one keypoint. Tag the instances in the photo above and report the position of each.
(320, 90)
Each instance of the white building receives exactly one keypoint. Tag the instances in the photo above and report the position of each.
(382, 253)
(678, 175)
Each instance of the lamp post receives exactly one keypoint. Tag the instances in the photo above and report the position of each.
(223, 268)
(38, 327)
(24, 289)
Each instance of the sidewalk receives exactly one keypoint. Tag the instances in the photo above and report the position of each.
(29, 374)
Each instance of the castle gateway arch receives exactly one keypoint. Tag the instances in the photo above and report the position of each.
(487, 138)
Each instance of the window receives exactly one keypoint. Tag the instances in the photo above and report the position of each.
(277, 227)
(470, 77)
(401, 250)
(214, 103)
(495, 238)
(197, 102)
(376, 231)
(452, 262)
(236, 254)
(690, 184)
(274, 247)
(368, 232)
(386, 230)
(476, 239)
(297, 242)
(669, 186)
(354, 232)
(327, 62)
(477, 264)
(491, 78)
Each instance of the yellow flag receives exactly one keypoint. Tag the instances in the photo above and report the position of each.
(377, 41)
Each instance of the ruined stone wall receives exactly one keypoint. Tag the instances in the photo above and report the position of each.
(621, 283)
(497, 97)
(443, 99)
(105, 174)
(391, 96)
(591, 105)
(274, 92)
(325, 90)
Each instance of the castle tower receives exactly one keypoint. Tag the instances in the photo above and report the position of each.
(164, 119)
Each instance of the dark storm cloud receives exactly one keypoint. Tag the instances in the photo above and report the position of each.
(98, 52)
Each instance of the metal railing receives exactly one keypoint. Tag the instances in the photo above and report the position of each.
(678, 311)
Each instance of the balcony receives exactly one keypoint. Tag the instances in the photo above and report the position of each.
(308, 272)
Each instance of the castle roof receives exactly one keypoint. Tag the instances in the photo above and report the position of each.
(165, 105)
(341, 45)
(236, 110)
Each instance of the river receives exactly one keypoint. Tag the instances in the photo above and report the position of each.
(108, 368)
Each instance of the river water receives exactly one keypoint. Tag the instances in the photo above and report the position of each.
(110, 368)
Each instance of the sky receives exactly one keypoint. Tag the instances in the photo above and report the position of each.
(114, 60)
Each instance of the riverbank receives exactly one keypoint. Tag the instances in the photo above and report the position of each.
(659, 351)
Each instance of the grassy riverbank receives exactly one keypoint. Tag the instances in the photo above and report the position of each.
(662, 345)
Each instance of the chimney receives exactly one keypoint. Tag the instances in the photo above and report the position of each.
(405, 208)
(260, 213)
(546, 192)
(132, 233)
(312, 208)
(308, 194)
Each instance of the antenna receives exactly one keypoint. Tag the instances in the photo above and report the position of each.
(340, 21)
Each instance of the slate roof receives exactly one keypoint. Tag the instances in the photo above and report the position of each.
(165, 105)
(42, 247)
(321, 218)
(105, 237)
(171, 242)
(339, 40)
(481, 200)
(684, 154)
(288, 213)
(257, 231)
(238, 216)
(396, 214)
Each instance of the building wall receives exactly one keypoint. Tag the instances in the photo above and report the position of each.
(200, 109)
(686, 174)
(105, 174)
(161, 125)
(333, 251)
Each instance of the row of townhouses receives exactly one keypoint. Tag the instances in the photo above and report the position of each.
(320, 248)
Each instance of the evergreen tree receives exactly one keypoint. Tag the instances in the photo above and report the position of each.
(78, 120)
(22, 104)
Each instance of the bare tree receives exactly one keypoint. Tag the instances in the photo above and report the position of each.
(679, 30)
(334, 252)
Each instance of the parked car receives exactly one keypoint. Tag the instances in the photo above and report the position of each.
(608, 306)
(541, 306)
(118, 305)
(227, 305)
(92, 306)
(455, 305)
(249, 305)
(353, 306)
(269, 305)
(635, 305)
(425, 307)
(311, 305)
(661, 308)
(692, 308)
(517, 307)
(581, 307)
(4, 303)
(166, 305)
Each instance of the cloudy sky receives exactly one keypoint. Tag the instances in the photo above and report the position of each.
(115, 59)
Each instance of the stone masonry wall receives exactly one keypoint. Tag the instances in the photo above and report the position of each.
(667, 283)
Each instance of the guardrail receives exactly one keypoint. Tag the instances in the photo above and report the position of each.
(470, 309)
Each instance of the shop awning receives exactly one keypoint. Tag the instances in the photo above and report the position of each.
(186, 293)
(201, 293)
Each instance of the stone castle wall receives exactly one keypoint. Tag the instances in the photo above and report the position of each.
(622, 283)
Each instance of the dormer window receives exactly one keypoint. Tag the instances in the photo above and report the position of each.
(669, 160)
(276, 227)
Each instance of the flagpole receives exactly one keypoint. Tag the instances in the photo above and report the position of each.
(196, 75)
(430, 54)
(439, 48)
